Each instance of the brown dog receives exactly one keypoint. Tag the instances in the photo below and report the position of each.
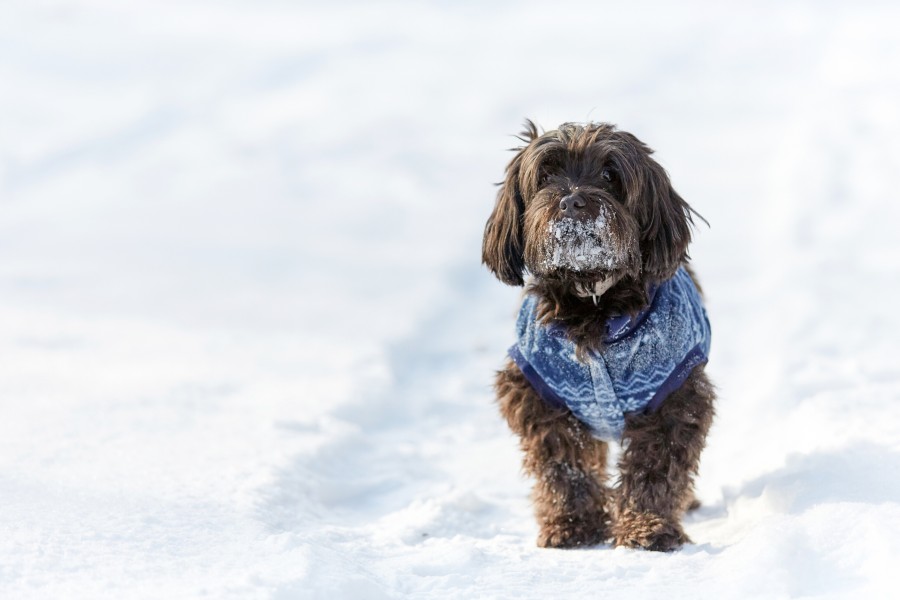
(612, 336)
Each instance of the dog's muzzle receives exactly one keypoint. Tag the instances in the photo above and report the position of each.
(583, 245)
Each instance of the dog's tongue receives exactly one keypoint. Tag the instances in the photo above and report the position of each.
(596, 290)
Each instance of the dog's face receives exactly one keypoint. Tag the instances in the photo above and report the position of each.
(585, 203)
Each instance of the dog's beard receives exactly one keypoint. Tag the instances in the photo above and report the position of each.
(584, 246)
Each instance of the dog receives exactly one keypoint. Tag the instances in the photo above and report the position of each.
(613, 337)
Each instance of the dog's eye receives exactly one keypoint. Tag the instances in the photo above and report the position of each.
(606, 175)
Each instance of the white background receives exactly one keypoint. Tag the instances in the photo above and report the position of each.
(246, 344)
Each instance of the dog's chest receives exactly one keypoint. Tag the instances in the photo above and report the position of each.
(644, 359)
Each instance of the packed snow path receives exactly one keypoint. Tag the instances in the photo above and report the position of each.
(246, 344)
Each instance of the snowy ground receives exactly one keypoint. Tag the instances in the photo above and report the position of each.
(246, 343)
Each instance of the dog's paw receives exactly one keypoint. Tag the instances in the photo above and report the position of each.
(649, 532)
(573, 532)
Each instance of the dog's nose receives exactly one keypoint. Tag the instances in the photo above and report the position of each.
(571, 205)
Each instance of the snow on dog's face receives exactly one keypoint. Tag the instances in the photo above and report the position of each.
(585, 203)
(582, 245)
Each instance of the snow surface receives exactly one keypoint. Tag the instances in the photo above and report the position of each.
(246, 344)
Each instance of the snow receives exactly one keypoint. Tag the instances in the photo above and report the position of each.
(246, 344)
(584, 245)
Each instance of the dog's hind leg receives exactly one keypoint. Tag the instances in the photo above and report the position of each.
(660, 456)
(568, 463)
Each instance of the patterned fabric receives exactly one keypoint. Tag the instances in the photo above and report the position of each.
(644, 358)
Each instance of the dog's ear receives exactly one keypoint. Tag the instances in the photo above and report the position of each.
(665, 220)
(663, 216)
(504, 243)
(503, 246)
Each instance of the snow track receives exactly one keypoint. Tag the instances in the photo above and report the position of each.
(246, 345)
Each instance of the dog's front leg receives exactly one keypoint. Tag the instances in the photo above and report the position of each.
(661, 454)
(568, 463)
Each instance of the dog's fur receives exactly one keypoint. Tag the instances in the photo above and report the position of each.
(612, 175)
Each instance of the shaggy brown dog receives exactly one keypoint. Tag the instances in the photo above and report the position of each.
(582, 173)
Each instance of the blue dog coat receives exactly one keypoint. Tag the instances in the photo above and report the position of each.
(644, 359)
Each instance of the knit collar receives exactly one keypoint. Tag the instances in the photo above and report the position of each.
(621, 326)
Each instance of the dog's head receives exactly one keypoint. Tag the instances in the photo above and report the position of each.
(585, 203)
